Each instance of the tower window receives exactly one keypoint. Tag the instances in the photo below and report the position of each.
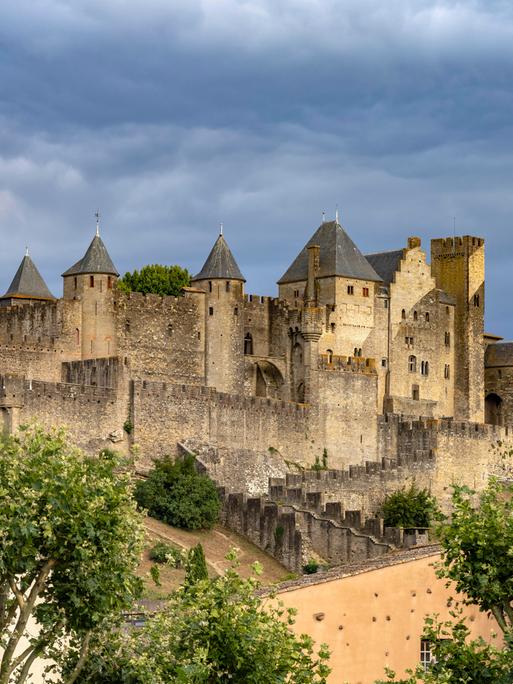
(210, 286)
(365, 291)
(91, 281)
(447, 372)
(476, 300)
(383, 363)
(227, 286)
(427, 316)
(350, 289)
(424, 368)
(333, 326)
(210, 310)
(403, 314)
(447, 339)
(415, 394)
(75, 282)
(248, 344)
(109, 282)
(357, 351)
(329, 352)
(385, 303)
(415, 316)
(412, 364)
(409, 341)
(236, 311)
(447, 310)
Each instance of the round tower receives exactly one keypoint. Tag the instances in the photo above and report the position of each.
(221, 280)
(91, 281)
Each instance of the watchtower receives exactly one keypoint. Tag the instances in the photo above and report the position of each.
(458, 266)
(221, 280)
(91, 280)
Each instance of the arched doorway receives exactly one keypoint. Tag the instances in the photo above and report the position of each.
(493, 409)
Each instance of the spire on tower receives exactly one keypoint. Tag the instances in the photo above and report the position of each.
(336, 214)
(97, 214)
(221, 228)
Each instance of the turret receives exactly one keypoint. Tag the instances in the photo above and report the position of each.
(91, 281)
(458, 265)
(221, 280)
(27, 286)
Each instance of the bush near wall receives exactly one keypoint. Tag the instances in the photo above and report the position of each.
(176, 494)
(409, 507)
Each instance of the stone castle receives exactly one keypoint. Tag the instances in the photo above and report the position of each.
(378, 363)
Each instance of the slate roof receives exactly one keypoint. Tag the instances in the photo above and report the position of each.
(95, 260)
(385, 263)
(220, 263)
(339, 256)
(499, 354)
(28, 283)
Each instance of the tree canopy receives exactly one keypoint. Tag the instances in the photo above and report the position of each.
(409, 507)
(71, 539)
(156, 279)
(176, 494)
(210, 632)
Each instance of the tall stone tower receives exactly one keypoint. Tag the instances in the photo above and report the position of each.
(223, 283)
(91, 280)
(458, 266)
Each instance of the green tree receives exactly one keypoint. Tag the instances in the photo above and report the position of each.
(176, 494)
(156, 279)
(211, 632)
(71, 539)
(196, 565)
(409, 507)
(477, 549)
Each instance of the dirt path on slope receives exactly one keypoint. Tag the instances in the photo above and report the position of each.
(216, 543)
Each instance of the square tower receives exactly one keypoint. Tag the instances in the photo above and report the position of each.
(458, 266)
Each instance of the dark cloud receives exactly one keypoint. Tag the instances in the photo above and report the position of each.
(174, 115)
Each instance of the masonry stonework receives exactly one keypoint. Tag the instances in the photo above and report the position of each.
(374, 363)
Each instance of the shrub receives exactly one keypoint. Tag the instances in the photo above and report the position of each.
(196, 566)
(176, 494)
(409, 507)
(163, 553)
(311, 567)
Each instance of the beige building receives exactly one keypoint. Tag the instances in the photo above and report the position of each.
(372, 615)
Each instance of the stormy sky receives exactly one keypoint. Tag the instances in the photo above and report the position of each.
(174, 115)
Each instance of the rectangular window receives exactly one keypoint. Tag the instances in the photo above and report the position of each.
(91, 281)
(350, 289)
(75, 281)
(447, 372)
(415, 395)
(447, 339)
(384, 363)
(227, 286)
(210, 310)
(210, 286)
(408, 341)
(365, 291)
(426, 657)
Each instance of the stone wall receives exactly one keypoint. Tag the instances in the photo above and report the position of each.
(93, 416)
(347, 423)
(162, 337)
(293, 535)
(165, 414)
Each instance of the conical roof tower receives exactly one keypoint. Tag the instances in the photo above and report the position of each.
(95, 260)
(220, 263)
(339, 256)
(28, 283)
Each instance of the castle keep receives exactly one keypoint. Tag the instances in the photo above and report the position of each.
(378, 361)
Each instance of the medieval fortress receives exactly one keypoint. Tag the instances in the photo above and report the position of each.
(376, 365)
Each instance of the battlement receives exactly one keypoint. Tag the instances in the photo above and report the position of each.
(163, 390)
(353, 364)
(452, 243)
